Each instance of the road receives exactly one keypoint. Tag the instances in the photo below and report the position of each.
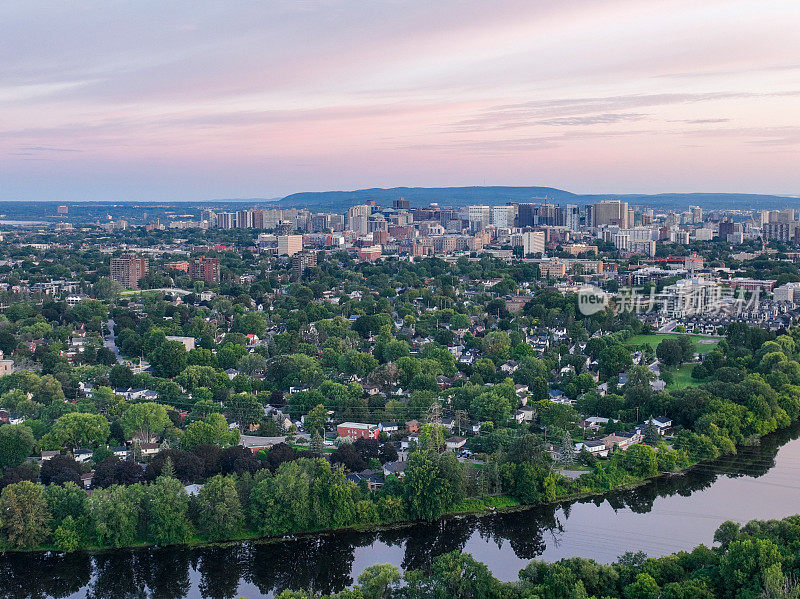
(110, 340)
(669, 327)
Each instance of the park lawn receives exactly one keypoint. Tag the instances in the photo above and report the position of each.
(654, 339)
(683, 377)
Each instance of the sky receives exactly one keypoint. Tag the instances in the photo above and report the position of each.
(200, 100)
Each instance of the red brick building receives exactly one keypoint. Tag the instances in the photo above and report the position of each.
(358, 430)
(206, 269)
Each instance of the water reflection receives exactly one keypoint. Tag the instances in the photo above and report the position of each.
(327, 564)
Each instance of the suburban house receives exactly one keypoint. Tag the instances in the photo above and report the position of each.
(373, 478)
(149, 449)
(596, 448)
(396, 468)
(621, 440)
(454, 443)
(525, 414)
(406, 442)
(121, 452)
(86, 479)
(662, 424)
(82, 455)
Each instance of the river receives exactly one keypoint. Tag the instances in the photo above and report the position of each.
(661, 517)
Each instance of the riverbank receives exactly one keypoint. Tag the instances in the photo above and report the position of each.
(664, 516)
(475, 507)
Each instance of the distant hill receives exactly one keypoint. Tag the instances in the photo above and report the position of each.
(339, 201)
(422, 196)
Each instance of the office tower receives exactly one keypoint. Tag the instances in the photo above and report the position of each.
(533, 242)
(401, 204)
(302, 261)
(336, 222)
(289, 245)
(128, 270)
(204, 268)
(377, 223)
(257, 218)
(284, 227)
(611, 212)
(726, 227)
(502, 216)
(226, 220)
(210, 217)
(244, 219)
(781, 231)
(357, 218)
(572, 217)
(479, 217)
(525, 215)
(548, 214)
(697, 214)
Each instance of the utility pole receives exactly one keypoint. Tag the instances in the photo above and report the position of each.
(434, 413)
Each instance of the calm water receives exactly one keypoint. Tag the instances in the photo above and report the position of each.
(665, 516)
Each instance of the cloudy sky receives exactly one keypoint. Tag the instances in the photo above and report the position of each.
(153, 100)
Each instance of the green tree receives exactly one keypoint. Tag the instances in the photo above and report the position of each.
(168, 359)
(116, 512)
(144, 421)
(167, 511)
(651, 435)
(315, 420)
(24, 517)
(669, 352)
(107, 289)
(65, 501)
(79, 429)
(67, 535)
(457, 574)
(243, 409)
(432, 483)
(644, 587)
(379, 581)
(613, 360)
(120, 376)
(219, 511)
(212, 430)
(16, 444)
(251, 364)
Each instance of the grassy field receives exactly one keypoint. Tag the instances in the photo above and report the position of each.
(655, 338)
(683, 377)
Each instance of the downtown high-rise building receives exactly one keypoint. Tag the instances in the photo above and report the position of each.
(206, 269)
(572, 217)
(289, 245)
(503, 216)
(226, 220)
(128, 270)
(480, 217)
(611, 212)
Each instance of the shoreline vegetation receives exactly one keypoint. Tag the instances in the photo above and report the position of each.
(476, 506)
(755, 560)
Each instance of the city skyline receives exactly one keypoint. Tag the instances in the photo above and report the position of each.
(197, 101)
